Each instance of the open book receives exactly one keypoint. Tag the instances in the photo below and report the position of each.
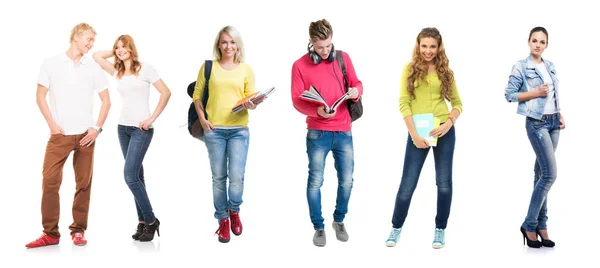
(425, 123)
(314, 96)
(256, 98)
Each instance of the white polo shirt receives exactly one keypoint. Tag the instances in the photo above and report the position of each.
(135, 91)
(71, 91)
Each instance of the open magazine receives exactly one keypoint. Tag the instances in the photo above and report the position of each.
(256, 98)
(313, 95)
(425, 123)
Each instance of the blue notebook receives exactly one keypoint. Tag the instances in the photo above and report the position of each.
(425, 123)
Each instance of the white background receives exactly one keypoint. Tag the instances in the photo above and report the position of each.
(493, 170)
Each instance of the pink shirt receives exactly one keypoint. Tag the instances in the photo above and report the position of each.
(327, 77)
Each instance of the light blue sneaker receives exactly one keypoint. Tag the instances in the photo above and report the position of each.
(438, 238)
(393, 238)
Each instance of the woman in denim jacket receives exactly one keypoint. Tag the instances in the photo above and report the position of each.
(533, 83)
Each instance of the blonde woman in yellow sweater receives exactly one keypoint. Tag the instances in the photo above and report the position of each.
(426, 84)
(226, 134)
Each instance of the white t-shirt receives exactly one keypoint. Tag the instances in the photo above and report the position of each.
(135, 91)
(550, 107)
(71, 89)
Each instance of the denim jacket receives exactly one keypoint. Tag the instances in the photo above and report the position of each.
(525, 77)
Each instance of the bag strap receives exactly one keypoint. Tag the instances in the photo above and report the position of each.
(207, 71)
(340, 59)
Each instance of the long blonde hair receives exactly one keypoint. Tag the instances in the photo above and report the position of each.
(129, 45)
(419, 69)
(237, 38)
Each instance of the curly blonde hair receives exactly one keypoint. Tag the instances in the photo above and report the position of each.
(418, 68)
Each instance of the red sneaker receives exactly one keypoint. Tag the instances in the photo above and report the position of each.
(236, 223)
(78, 239)
(44, 240)
(223, 231)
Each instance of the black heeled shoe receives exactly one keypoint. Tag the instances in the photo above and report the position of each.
(546, 243)
(139, 231)
(149, 230)
(530, 243)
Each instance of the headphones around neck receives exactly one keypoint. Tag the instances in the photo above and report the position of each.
(316, 58)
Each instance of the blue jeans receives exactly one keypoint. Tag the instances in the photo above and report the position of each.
(543, 135)
(227, 151)
(134, 144)
(318, 145)
(414, 158)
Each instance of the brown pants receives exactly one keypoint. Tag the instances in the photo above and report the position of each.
(57, 151)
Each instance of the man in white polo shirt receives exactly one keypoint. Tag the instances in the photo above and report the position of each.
(71, 79)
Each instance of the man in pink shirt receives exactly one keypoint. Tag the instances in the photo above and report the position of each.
(327, 131)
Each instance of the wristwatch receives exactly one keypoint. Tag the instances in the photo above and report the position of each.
(99, 129)
(452, 119)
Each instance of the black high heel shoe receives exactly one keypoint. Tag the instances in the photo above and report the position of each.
(139, 231)
(530, 243)
(149, 230)
(546, 243)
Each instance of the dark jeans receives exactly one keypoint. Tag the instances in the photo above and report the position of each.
(414, 159)
(134, 144)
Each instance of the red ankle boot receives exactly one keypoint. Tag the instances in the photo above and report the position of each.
(223, 231)
(236, 223)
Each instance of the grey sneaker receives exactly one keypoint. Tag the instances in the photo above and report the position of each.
(319, 238)
(340, 231)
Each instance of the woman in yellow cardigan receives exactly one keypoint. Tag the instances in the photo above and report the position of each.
(426, 84)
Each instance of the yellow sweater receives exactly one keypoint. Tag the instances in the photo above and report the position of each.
(226, 88)
(427, 97)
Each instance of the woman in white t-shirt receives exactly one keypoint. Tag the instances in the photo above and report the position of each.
(135, 123)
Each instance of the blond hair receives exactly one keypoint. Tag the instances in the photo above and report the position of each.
(80, 28)
(237, 38)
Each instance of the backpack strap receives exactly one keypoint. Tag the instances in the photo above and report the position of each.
(207, 71)
(340, 59)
